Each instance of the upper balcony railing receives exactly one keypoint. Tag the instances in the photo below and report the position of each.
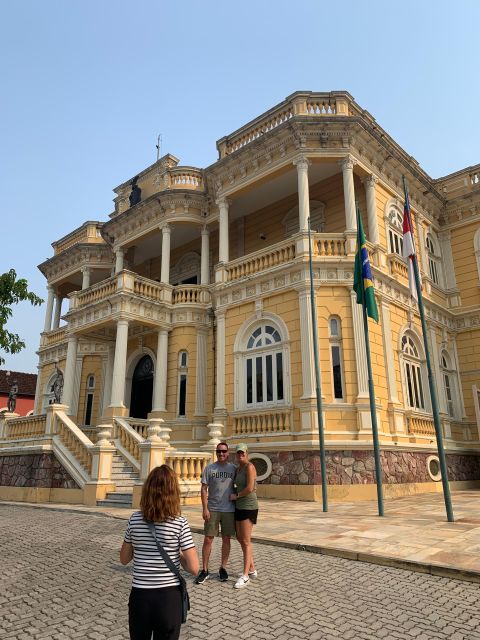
(88, 233)
(300, 104)
(185, 178)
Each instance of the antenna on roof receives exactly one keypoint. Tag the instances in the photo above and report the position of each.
(159, 145)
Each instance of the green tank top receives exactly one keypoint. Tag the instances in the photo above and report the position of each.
(250, 500)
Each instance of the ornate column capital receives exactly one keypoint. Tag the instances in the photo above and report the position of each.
(302, 163)
(347, 163)
(165, 228)
(205, 231)
(370, 181)
(223, 202)
(85, 269)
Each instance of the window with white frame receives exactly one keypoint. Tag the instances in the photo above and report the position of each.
(395, 231)
(336, 358)
(89, 399)
(182, 383)
(433, 259)
(448, 376)
(413, 369)
(263, 365)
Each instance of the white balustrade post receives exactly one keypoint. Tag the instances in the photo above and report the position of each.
(223, 250)
(49, 309)
(58, 311)
(85, 277)
(370, 183)
(302, 165)
(119, 253)
(165, 269)
(205, 266)
(160, 381)
(119, 365)
(69, 376)
(201, 373)
(349, 193)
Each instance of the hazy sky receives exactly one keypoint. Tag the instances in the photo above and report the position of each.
(88, 86)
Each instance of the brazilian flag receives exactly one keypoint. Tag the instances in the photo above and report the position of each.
(363, 278)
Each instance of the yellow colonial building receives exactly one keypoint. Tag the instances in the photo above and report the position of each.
(183, 318)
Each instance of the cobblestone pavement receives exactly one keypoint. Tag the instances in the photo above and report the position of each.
(61, 579)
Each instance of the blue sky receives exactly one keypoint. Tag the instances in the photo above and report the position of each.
(87, 86)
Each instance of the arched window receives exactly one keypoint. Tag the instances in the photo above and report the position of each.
(336, 358)
(448, 376)
(395, 231)
(433, 254)
(182, 383)
(89, 399)
(261, 367)
(49, 393)
(413, 369)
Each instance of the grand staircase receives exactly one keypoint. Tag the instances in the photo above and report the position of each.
(124, 476)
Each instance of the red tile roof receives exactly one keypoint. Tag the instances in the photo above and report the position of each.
(26, 382)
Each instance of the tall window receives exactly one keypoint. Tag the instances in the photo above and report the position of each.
(448, 376)
(395, 231)
(264, 368)
(413, 373)
(182, 383)
(89, 399)
(433, 259)
(336, 358)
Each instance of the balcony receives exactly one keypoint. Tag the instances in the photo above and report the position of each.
(88, 233)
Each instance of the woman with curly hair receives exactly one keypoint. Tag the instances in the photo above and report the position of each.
(155, 604)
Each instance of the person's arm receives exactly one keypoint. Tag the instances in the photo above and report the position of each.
(204, 496)
(126, 553)
(189, 561)
(251, 476)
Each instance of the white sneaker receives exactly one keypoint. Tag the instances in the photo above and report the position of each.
(241, 582)
(251, 574)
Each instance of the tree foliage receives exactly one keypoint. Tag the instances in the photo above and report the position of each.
(12, 291)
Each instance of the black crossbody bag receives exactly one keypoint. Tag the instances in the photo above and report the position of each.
(175, 571)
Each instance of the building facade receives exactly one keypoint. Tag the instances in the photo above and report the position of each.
(184, 317)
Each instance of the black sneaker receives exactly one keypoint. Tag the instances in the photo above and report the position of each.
(202, 576)
(222, 575)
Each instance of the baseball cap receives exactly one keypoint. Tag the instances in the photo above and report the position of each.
(241, 447)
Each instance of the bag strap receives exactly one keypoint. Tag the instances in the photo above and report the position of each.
(166, 558)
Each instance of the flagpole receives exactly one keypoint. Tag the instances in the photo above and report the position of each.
(371, 390)
(431, 383)
(321, 438)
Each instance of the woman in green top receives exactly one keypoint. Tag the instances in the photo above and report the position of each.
(246, 511)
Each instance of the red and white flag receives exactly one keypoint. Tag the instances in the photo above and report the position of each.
(409, 249)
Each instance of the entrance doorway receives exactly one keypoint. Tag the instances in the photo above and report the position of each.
(142, 388)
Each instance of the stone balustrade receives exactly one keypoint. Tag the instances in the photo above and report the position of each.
(150, 289)
(188, 466)
(398, 266)
(100, 291)
(88, 233)
(51, 338)
(25, 427)
(139, 425)
(191, 294)
(329, 244)
(420, 425)
(258, 422)
(277, 254)
(128, 437)
(75, 441)
(186, 178)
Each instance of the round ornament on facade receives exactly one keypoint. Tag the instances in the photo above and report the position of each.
(262, 464)
(433, 468)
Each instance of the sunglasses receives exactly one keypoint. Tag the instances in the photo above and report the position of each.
(222, 451)
(240, 453)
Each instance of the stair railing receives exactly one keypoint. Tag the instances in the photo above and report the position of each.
(127, 440)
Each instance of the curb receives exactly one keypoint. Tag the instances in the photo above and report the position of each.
(437, 570)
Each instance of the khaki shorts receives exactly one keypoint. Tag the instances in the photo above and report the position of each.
(220, 519)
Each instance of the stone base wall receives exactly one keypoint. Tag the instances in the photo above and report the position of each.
(35, 470)
(358, 467)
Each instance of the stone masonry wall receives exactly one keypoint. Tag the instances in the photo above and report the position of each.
(358, 467)
(35, 470)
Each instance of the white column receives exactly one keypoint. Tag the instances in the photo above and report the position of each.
(458, 378)
(49, 309)
(303, 192)
(388, 352)
(444, 238)
(421, 245)
(58, 311)
(306, 346)
(220, 350)
(165, 272)
(349, 193)
(119, 253)
(370, 183)
(37, 408)
(360, 354)
(223, 251)
(160, 382)
(69, 375)
(201, 373)
(119, 365)
(205, 266)
(442, 401)
(107, 378)
(86, 277)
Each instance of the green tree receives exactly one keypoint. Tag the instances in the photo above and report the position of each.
(12, 291)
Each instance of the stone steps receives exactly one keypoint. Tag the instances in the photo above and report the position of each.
(117, 499)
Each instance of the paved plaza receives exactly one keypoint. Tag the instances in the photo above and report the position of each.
(61, 579)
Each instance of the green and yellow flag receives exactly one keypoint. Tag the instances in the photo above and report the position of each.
(363, 279)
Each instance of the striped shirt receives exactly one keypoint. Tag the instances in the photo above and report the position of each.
(149, 568)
